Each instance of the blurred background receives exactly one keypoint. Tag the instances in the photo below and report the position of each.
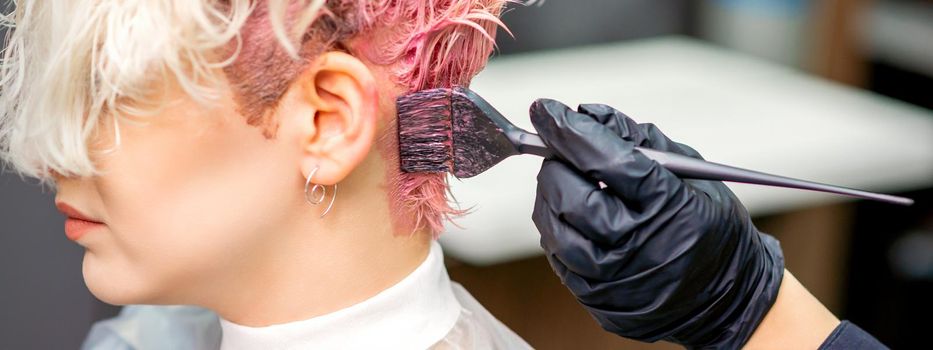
(832, 68)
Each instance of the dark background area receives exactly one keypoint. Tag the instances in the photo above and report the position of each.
(45, 304)
(884, 297)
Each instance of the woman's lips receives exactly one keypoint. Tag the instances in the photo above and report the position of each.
(78, 224)
(77, 228)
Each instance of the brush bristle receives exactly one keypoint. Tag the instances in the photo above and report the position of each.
(424, 131)
(451, 130)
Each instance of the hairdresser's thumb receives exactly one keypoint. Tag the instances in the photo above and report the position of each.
(549, 117)
(645, 135)
(614, 120)
(574, 137)
(567, 132)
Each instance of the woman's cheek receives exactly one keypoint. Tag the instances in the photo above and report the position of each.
(145, 251)
(167, 241)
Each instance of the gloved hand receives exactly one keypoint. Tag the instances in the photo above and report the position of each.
(650, 256)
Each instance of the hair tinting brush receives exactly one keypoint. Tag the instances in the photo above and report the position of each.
(454, 130)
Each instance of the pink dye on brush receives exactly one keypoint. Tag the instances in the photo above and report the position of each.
(426, 44)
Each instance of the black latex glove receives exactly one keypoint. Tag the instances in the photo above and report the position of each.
(651, 256)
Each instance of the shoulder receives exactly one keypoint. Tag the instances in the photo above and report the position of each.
(143, 327)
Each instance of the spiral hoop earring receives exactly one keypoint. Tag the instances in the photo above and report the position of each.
(312, 195)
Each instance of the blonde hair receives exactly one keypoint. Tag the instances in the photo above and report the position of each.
(69, 64)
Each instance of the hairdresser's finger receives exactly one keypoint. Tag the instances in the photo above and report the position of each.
(574, 250)
(642, 291)
(620, 124)
(641, 315)
(594, 233)
(689, 151)
(644, 135)
(598, 214)
(715, 190)
(655, 139)
(580, 286)
(601, 154)
(583, 287)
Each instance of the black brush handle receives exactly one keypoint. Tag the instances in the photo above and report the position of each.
(692, 168)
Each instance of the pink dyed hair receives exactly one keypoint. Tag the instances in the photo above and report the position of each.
(425, 44)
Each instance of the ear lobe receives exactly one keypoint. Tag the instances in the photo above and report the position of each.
(342, 92)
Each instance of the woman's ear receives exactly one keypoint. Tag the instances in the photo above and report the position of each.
(336, 113)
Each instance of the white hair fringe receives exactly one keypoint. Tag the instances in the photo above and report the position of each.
(70, 65)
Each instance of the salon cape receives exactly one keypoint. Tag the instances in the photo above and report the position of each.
(426, 310)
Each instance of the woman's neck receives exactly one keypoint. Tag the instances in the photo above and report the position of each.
(317, 278)
(318, 266)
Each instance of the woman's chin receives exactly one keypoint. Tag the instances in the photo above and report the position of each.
(114, 286)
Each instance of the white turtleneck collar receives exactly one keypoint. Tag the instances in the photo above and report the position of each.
(415, 313)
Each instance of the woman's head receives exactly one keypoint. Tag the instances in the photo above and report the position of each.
(189, 127)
